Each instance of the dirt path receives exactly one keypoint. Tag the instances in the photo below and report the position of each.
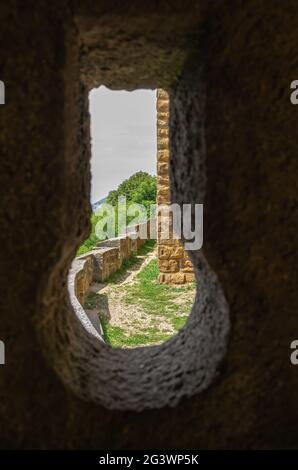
(127, 314)
(127, 277)
(109, 299)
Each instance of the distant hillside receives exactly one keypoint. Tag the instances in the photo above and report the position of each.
(96, 205)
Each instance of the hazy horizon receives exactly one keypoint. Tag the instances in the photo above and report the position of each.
(123, 137)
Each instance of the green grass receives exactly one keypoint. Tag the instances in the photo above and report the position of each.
(118, 338)
(127, 263)
(161, 303)
(155, 300)
(92, 300)
(178, 322)
(131, 261)
(147, 247)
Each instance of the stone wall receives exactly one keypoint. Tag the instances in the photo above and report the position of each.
(174, 264)
(80, 278)
(84, 276)
(107, 257)
(233, 140)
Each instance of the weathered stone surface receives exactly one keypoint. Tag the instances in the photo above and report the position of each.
(168, 249)
(162, 104)
(162, 198)
(162, 143)
(164, 252)
(162, 95)
(190, 277)
(244, 158)
(109, 261)
(173, 278)
(162, 168)
(187, 266)
(84, 280)
(168, 266)
(111, 253)
(162, 131)
(163, 181)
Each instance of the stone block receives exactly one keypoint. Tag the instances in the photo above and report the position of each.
(168, 266)
(163, 169)
(187, 266)
(163, 180)
(162, 105)
(162, 143)
(162, 199)
(164, 115)
(163, 131)
(189, 277)
(84, 279)
(164, 252)
(163, 155)
(177, 278)
(177, 252)
(162, 94)
(162, 123)
(165, 191)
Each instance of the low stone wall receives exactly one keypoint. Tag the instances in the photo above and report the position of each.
(84, 273)
(79, 281)
(107, 257)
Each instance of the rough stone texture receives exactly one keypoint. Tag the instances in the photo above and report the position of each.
(173, 261)
(84, 278)
(108, 260)
(240, 59)
(145, 377)
(77, 271)
(108, 256)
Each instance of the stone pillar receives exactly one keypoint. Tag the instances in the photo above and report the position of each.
(174, 265)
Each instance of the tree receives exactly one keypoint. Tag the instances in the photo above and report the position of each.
(140, 188)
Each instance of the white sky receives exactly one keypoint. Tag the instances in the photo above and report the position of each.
(123, 137)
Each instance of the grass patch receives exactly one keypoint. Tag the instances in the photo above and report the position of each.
(148, 246)
(155, 298)
(178, 322)
(162, 301)
(161, 310)
(127, 263)
(92, 301)
(131, 261)
(117, 337)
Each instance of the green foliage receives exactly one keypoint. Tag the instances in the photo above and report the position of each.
(157, 298)
(116, 336)
(92, 240)
(140, 188)
(145, 194)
